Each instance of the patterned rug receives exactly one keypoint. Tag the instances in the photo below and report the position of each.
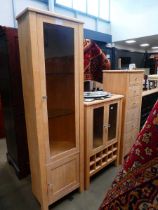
(94, 61)
(136, 185)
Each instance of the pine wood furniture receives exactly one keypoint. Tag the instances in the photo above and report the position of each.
(51, 51)
(12, 102)
(130, 84)
(102, 134)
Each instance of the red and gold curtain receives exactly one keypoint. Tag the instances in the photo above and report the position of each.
(94, 61)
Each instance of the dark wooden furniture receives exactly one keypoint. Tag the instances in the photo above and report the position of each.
(12, 101)
(2, 133)
(149, 98)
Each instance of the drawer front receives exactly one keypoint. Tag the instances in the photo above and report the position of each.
(132, 114)
(132, 102)
(63, 177)
(136, 79)
(132, 126)
(129, 140)
(134, 91)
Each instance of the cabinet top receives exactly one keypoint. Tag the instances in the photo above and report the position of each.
(112, 98)
(48, 13)
(123, 71)
(149, 92)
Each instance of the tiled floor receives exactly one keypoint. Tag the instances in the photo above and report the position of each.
(16, 194)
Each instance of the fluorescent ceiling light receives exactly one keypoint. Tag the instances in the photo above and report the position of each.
(156, 47)
(144, 45)
(130, 41)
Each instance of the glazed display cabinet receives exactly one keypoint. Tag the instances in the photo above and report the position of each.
(102, 134)
(51, 52)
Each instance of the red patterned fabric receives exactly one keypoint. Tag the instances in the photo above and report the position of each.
(94, 61)
(136, 185)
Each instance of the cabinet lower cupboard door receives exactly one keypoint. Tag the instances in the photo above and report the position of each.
(63, 176)
(51, 51)
(102, 134)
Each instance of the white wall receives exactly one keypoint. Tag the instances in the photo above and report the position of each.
(133, 18)
(104, 27)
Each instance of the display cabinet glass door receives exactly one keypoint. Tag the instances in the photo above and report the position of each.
(60, 86)
(98, 118)
(112, 122)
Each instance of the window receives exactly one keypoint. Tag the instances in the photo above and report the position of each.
(79, 5)
(97, 8)
(92, 7)
(67, 3)
(45, 1)
(104, 9)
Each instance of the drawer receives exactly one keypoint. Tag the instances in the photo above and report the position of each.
(134, 91)
(63, 177)
(132, 114)
(136, 79)
(132, 126)
(129, 140)
(132, 102)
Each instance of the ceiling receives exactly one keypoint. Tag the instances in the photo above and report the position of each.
(151, 40)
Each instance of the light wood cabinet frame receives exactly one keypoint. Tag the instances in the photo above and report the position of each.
(30, 30)
(108, 151)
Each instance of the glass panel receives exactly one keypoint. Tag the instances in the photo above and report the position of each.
(104, 9)
(92, 7)
(98, 116)
(67, 3)
(79, 5)
(112, 121)
(59, 64)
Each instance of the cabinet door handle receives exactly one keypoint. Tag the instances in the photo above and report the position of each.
(105, 126)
